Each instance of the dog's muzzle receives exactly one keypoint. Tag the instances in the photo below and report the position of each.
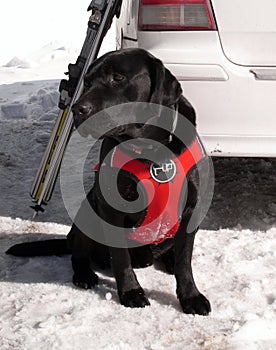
(81, 111)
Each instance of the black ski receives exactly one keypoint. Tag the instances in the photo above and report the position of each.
(102, 13)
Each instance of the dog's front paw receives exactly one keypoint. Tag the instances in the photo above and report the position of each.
(134, 298)
(196, 305)
(86, 281)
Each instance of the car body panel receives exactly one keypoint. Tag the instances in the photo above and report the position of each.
(247, 30)
(235, 104)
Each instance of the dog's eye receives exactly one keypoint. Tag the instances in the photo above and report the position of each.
(118, 77)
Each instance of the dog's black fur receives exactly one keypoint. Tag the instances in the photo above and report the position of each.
(133, 75)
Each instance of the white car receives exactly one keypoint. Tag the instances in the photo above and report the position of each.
(224, 54)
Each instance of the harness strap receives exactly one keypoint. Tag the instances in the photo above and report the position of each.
(164, 209)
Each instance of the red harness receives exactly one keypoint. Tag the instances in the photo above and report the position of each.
(163, 185)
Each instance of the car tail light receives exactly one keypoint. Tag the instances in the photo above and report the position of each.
(176, 15)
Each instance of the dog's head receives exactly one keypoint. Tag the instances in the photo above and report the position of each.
(118, 77)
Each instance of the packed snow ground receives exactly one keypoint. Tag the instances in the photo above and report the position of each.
(40, 308)
(234, 256)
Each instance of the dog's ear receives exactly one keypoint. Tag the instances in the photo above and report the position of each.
(165, 88)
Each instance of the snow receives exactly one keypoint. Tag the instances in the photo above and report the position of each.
(43, 37)
(234, 255)
(41, 308)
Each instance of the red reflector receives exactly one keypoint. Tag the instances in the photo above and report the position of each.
(176, 15)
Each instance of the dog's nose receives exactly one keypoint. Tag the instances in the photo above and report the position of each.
(81, 109)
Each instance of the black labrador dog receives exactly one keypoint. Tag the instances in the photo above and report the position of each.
(120, 78)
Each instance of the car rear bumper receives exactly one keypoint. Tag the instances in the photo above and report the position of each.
(239, 146)
(235, 105)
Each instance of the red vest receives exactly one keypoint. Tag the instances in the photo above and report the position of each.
(163, 185)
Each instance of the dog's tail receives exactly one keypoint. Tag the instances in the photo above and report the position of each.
(40, 248)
